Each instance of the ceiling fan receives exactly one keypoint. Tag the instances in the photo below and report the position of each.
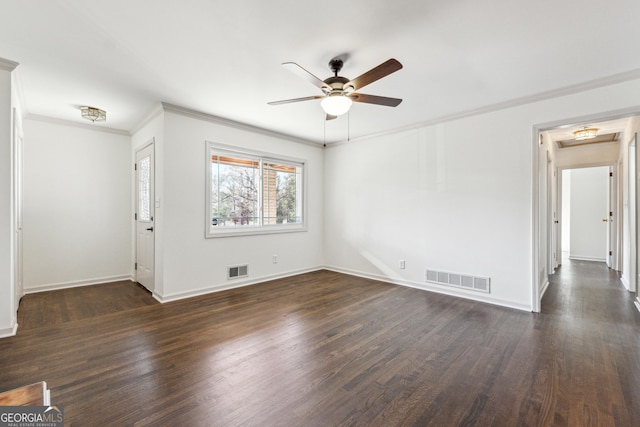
(339, 92)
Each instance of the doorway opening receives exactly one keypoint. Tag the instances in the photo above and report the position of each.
(584, 199)
(557, 149)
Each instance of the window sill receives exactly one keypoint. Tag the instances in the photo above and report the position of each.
(253, 231)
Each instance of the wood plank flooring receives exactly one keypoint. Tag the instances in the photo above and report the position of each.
(326, 349)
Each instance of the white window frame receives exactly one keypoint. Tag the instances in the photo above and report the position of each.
(212, 148)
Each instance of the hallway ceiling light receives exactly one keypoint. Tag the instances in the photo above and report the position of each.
(585, 133)
(93, 114)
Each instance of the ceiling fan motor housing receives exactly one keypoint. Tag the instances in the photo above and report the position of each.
(337, 84)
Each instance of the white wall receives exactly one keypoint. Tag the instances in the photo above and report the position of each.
(589, 201)
(455, 196)
(77, 206)
(190, 264)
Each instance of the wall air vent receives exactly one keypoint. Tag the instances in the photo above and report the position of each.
(459, 280)
(237, 271)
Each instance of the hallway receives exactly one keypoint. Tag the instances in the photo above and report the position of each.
(592, 343)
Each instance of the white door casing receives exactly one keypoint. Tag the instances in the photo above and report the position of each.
(18, 202)
(144, 217)
(611, 229)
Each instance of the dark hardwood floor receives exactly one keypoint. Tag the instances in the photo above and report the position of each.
(325, 349)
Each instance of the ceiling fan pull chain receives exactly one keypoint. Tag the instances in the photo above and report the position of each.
(325, 132)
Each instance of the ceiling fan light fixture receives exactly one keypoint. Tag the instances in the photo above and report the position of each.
(585, 133)
(336, 104)
(93, 114)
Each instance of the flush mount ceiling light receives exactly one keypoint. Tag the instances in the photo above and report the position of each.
(93, 114)
(585, 133)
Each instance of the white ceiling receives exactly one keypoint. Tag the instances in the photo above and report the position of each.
(223, 57)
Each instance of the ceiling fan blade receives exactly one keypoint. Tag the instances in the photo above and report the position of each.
(376, 73)
(330, 117)
(374, 99)
(296, 69)
(289, 101)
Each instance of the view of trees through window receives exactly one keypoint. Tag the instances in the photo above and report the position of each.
(238, 200)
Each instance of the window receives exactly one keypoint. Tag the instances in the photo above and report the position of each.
(252, 193)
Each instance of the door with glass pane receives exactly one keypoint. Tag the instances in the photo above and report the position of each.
(144, 217)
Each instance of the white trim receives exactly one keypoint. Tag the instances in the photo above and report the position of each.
(18, 87)
(236, 284)
(445, 290)
(516, 102)
(86, 126)
(544, 287)
(8, 65)
(77, 283)
(260, 156)
(9, 332)
(147, 119)
(584, 120)
(536, 296)
(625, 282)
(187, 112)
(636, 302)
(431, 287)
(586, 258)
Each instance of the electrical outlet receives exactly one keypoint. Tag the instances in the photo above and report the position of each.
(275, 259)
(401, 264)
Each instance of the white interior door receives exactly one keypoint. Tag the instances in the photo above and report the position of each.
(589, 213)
(145, 217)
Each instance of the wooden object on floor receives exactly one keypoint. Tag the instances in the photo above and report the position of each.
(35, 394)
(327, 349)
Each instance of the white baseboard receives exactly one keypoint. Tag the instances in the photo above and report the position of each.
(231, 285)
(625, 282)
(586, 258)
(431, 287)
(76, 283)
(9, 332)
(544, 288)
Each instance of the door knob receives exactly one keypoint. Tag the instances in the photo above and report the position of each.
(150, 229)
(605, 220)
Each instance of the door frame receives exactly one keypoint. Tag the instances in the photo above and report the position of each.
(18, 188)
(151, 145)
(537, 169)
(611, 243)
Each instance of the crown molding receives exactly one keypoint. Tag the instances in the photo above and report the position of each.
(155, 112)
(516, 102)
(62, 122)
(8, 65)
(187, 112)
